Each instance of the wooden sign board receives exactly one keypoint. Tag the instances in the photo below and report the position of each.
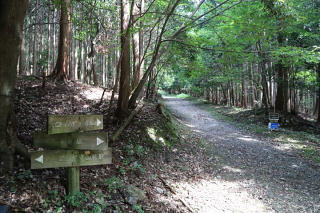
(79, 141)
(69, 158)
(74, 123)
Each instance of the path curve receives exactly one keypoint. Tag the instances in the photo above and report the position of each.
(252, 175)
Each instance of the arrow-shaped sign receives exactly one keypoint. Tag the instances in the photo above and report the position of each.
(39, 159)
(99, 141)
(98, 122)
(74, 123)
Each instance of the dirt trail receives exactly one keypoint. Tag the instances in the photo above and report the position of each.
(251, 175)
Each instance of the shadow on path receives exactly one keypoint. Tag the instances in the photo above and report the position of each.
(252, 175)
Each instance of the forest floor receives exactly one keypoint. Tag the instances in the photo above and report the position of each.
(152, 154)
(250, 172)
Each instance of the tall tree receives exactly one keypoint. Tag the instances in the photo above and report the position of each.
(60, 71)
(12, 15)
(124, 89)
(135, 48)
(35, 40)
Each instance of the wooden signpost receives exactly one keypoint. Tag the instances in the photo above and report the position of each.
(67, 145)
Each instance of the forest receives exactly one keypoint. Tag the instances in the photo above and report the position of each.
(142, 70)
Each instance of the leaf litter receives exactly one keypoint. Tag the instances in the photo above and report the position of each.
(150, 156)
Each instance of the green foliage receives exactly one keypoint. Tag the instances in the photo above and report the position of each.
(138, 208)
(27, 174)
(113, 183)
(137, 150)
(76, 200)
(135, 166)
(212, 55)
(53, 194)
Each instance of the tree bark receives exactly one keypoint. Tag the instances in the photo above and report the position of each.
(141, 42)
(318, 98)
(124, 89)
(54, 39)
(12, 15)
(22, 57)
(262, 65)
(282, 97)
(244, 89)
(49, 47)
(60, 71)
(71, 49)
(135, 50)
(35, 42)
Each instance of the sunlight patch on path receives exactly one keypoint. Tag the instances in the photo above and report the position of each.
(217, 195)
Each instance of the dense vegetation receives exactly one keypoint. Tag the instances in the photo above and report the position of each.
(257, 54)
(54, 54)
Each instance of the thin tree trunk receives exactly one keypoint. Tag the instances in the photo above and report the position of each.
(244, 89)
(141, 42)
(71, 50)
(35, 41)
(157, 53)
(135, 50)
(318, 96)
(54, 40)
(262, 65)
(22, 57)
(49, 47)
(41, 45)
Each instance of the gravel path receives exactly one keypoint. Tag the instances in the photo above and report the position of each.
(251, 175)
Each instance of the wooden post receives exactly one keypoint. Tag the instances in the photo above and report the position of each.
(73, 180)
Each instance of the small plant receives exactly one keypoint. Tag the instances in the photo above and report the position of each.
(113, 183)
(138, 208)
(118, 209)
(129, 149)
(25, 175)
(135, 150)
(76, 200)
(122, 170)
(12, 185)
(13, 188)
(137, 167)
(53, 194)
(96, 208)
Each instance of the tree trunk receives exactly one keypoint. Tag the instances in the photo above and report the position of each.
(124, 90)
(12, 15)
(244, 89)
(318, 97)
(61, 69)
(22, 57)
(79, 61)
(71, 49)
(157, 53)
(49, 48)
(282, 98)
(54, 39)
(262, 65)
(135, 50)
(35, 42)
(141, 42)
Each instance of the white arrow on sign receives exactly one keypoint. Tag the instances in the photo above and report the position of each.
(39, 159)
(98, 122)
(99, 141)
